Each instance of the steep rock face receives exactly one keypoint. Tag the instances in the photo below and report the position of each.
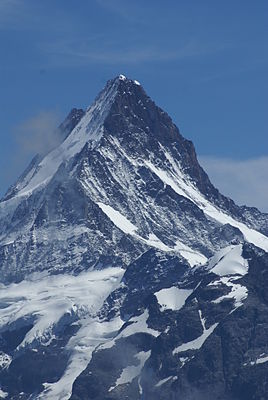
(212, 346)
(123, 152)
(124, 273)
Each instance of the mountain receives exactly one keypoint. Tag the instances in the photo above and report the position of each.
(125, 273)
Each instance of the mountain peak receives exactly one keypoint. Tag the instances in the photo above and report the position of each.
(123, 78)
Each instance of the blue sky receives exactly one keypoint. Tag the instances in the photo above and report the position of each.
(204, 62)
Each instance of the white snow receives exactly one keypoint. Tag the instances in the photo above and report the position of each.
(182, 185)
(198, 342)
(229, 261)
(50, 298)
(118, 219)
(122, 77)
(3, 394)
(88, 130)
(185, 360)
(172, 298)
(163, 381)
(238, 292)
(229, 264)
(138, 325)
(90, 335)
(132, 371)
(192, 256)
(137, 82)
(154, 241)
(262, 359)
(5, 360)
(129, 228)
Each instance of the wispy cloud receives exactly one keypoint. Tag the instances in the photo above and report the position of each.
(84, 52)
(245, 181)
(9, 12)
(38, 134)
(129, 11)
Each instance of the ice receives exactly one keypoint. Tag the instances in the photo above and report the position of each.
(131, 372)
(172, 298)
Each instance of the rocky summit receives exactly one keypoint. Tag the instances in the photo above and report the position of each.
(125, 274)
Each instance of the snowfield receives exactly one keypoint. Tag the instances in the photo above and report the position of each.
(48, 300)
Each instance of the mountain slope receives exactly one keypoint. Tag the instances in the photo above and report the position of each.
(119, 258)
(126, 153)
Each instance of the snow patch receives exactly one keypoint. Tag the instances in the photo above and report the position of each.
(238, 292)
(192, 256)
(118, 219)
(165, 380)
(3, 394)
(131, 372)
(136, 325)
(172, 298)
(229, 261)
(262, 359)
(5, 360)
(198, 342)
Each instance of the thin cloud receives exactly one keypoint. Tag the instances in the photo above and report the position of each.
(128, 11)
(245, 181)
(38, 134)
(35, 135)
(11, 12)
(79, 53)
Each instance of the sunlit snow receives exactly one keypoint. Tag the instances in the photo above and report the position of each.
(229, 261)
(182, 185)
(172, 298)
(132, 371)
(50, 298)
